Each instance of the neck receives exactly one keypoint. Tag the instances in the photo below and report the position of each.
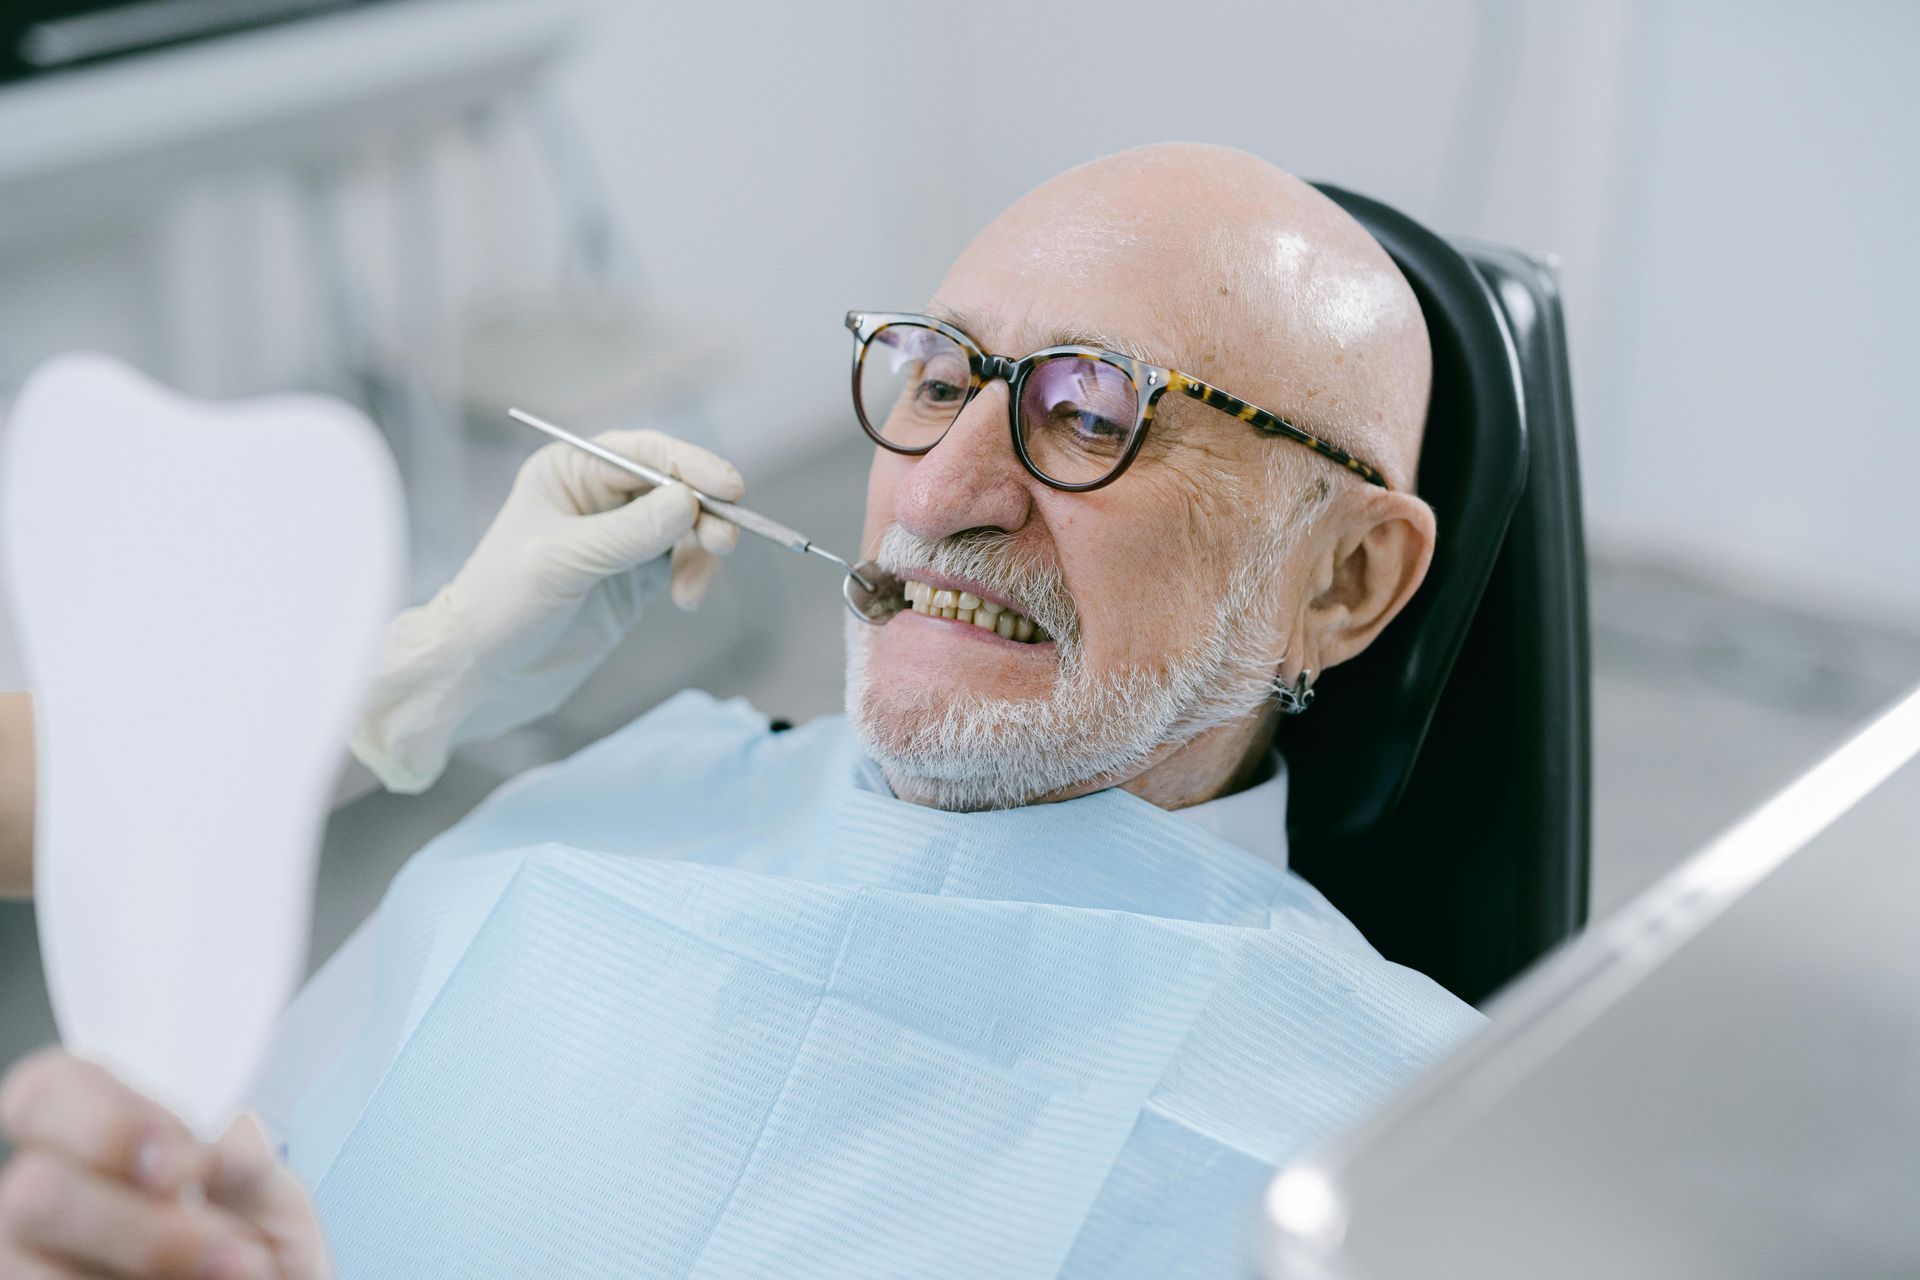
(1218, 763)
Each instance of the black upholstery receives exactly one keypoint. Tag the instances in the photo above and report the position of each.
(1440, 786)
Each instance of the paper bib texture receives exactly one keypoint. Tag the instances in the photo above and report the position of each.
(736, 1015)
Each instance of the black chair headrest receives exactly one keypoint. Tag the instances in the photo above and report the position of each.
(1350, 759)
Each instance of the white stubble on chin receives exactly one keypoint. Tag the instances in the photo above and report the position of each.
(957, 749)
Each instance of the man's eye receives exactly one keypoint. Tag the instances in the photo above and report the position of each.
(1088, 427)
(936, 392)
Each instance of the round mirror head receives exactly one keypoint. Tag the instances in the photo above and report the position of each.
(873, 594)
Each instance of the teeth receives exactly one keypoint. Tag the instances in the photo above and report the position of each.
(964, 606)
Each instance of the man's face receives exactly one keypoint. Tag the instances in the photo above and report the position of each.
(1165, 602)
(1154, 599)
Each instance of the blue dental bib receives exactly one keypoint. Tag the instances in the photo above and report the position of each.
(698, 1003)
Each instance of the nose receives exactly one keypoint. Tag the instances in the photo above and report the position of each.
(971, 479)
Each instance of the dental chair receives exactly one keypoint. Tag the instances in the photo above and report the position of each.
(1440, 790)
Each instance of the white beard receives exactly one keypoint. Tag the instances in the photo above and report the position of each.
(955, 749)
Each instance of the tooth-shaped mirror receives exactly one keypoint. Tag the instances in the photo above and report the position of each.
(197, 589)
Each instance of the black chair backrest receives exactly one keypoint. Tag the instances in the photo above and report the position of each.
(1440, 788)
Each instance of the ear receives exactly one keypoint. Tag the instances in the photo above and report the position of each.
(1379, 558)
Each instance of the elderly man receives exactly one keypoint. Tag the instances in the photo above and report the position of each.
(1003, 974)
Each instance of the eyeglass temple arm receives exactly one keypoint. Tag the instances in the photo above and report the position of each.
(1273, 424)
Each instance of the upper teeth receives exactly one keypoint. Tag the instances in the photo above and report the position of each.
(964, 606)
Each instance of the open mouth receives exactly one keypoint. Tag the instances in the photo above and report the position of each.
(964, 606)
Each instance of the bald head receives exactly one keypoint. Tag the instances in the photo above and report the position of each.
(1228, 268)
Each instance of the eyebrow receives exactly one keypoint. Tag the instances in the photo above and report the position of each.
(1068, 336)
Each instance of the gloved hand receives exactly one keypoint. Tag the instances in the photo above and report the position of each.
(556, 581)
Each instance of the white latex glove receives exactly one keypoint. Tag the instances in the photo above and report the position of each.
(558, 578)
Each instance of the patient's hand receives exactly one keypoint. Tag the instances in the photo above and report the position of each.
(104, 1181)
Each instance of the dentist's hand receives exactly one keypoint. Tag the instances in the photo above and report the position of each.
(105, 1182)
(555, 583)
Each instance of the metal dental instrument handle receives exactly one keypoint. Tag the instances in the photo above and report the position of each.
(751, 521)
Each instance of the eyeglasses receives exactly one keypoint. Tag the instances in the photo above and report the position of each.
(1078, 414)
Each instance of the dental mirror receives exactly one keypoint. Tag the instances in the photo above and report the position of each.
(872, 593)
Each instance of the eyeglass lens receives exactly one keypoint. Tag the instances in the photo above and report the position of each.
(913, 382)
(1076, 415)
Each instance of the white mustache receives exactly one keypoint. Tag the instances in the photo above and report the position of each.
(987, 557)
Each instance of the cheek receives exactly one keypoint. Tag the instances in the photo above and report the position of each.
(1142, 570)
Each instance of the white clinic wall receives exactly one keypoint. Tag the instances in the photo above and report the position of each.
(1727, 185)
(739, 147)
(1755, 356)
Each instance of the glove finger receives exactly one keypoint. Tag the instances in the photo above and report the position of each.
(704, 470)
(717, 535)
(574, 482)
(614, 541)
(694, 568)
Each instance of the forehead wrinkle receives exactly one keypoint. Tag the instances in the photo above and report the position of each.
(1079, 336)
(1068, 335)
(968, 322)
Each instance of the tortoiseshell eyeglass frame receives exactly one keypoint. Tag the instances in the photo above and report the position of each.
(1150, 382)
